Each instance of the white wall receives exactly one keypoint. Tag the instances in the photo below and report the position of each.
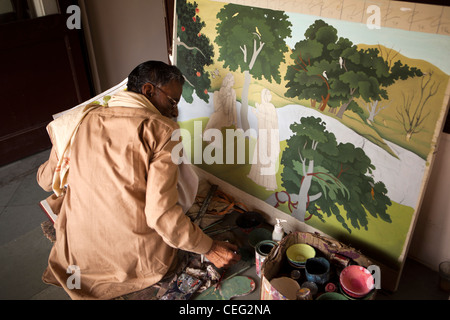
(430, 244)
(122, 34)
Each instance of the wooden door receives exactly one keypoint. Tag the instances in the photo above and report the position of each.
(170, 11)
(43, 71)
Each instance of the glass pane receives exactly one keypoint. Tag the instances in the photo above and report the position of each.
(6, 6)
(40, 8)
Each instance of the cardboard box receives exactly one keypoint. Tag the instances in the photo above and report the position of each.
(336, 252)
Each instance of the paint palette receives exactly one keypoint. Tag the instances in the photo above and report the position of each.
(229, 288)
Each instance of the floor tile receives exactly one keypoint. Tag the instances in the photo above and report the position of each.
(51, 293)
(23, 263)
(28, 192)
(19, 220)
(7, 192)
(20, 168)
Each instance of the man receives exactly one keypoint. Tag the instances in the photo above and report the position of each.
(121, 222)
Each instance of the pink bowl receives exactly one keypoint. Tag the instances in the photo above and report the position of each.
(356, 281)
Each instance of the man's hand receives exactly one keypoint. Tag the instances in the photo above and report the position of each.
(223, 254)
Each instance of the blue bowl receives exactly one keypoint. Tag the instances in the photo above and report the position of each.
(317, 270)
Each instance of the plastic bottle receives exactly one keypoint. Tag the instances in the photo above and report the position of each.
(278, 231)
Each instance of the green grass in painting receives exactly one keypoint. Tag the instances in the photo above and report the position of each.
(383, 241)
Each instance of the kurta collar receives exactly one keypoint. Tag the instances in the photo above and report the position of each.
(131, 100)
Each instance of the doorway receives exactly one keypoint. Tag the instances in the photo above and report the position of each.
(44, 70)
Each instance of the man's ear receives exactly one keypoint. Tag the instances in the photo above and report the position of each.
(148, 89)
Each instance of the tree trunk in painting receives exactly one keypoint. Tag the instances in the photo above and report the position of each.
(324, 103)
(244, 103)
(305, 185)
(408, 136)
(343, 108)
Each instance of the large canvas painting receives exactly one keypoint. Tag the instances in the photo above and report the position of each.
(331, 120)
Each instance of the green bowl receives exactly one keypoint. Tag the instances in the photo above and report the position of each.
(299, 253)
(331, 296)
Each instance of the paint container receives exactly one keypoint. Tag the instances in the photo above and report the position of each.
(296, 274)
(311, 286)
(262, 250)
(258, 235)
(248, 221)
(317, 270)
(330, 287)
(331, 296)
(356, 281)
(304, 294)
(444, 276)
(297, 254)
(286, 287)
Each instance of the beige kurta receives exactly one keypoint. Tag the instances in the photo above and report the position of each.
(120, 223)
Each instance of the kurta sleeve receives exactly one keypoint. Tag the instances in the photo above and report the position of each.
(162, 211)
(45, 172)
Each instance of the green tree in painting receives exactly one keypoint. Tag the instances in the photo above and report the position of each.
(313, 65)
(333, 70)
(194, 51)
(322, 176)
(367, 76)
(252, 39)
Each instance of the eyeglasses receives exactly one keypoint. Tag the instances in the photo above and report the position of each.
(171, 100)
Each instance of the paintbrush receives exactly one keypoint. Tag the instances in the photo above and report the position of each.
(216, 232)
(240, 271)
(212, 225)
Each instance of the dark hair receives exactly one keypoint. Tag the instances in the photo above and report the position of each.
(156, 72)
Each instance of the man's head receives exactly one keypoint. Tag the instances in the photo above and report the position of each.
(161, 83)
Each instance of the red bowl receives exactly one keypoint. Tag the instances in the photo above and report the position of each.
(356, 281)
